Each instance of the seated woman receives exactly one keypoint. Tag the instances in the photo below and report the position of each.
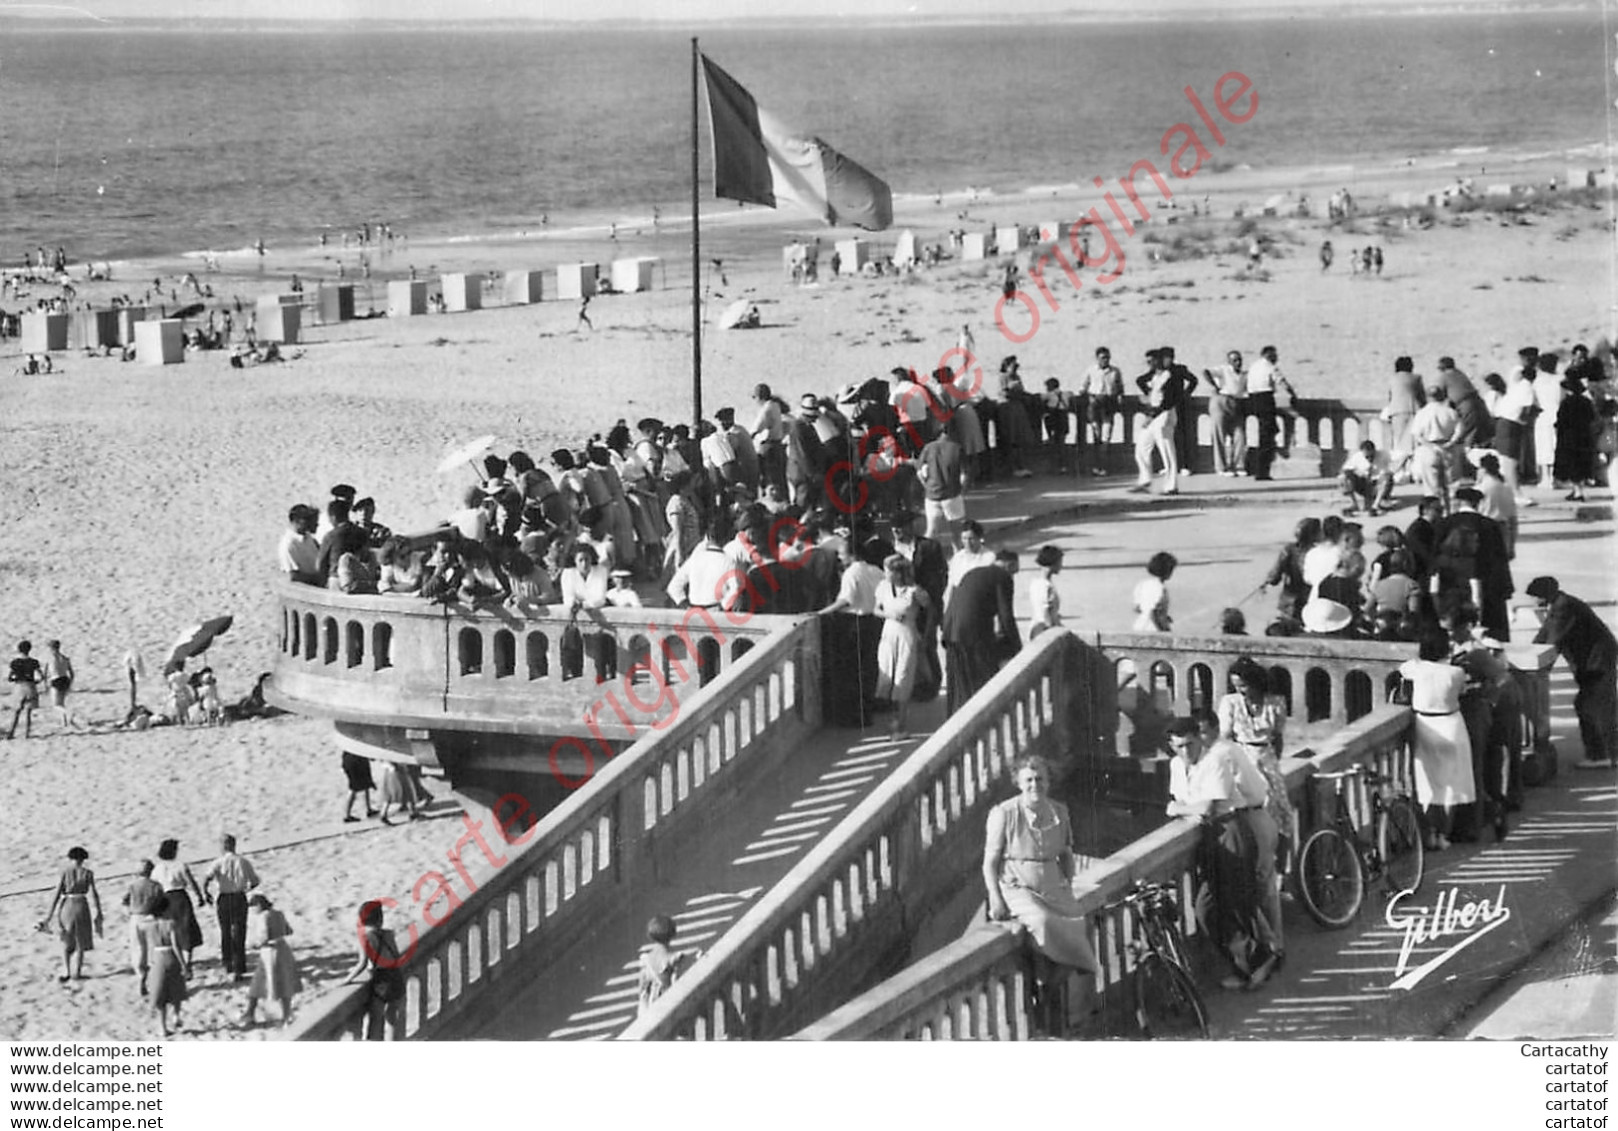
(355, 574)
(400, 569)
(1394, 601)
(483, 582)
(584, 589)
(530, 585)
(1028, 867)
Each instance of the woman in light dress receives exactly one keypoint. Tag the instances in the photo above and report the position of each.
(1045, 602)
(170, 964)
(1443, 750)
(1548, 397)
(1251, 716)
(74, 896)
(276, 975)
(901, 603)
(1151, 595)
(1028, 867)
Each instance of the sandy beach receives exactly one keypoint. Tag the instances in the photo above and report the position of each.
(142, 500)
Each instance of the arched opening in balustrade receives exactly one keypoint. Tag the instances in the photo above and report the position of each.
(1143, 714)
(1317, 694)
(354, 644)
(740, 649)
(469, 651)
(1281, 684)
(709, 656)
(537, 646)
(292, 642)
(1358, 695)
(310, 642)
(676, 660)
(1200, 688)
(639, 659)
(1390, 685)
(1161, 682)
(381, 645)
(505, 654)
(329, 632)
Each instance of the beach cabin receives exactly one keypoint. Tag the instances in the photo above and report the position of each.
(1008, 239)
(407, 297)
(128, 318)
(524, 287)
(904, 252)
(44, 331)
(976, 245)
(277, 321)
(1603, 179)
(1497, 191)
(1052, 230)
(160, 342)
(852, 256)
(462, 292)
(336, 303)
(95, 329)
(576, 280)
(1577, 178)
(632, 275)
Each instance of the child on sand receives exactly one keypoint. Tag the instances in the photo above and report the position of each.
(660, 963)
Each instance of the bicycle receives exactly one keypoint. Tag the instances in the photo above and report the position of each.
(1336, 863)
(1167, 1003)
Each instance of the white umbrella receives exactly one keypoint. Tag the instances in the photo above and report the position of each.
(735, 314)
(468, 454)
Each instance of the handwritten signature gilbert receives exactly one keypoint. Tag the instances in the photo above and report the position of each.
(1444, 919)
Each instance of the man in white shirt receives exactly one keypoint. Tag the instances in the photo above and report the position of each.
(1227, 412)
(1432, 431)
(708, 579)
(856, 591)
(1216, 782)
(1367, 477)
(974, 552)
(1157, 433)
(1264, 380)
(769, 437)
(298, 553)
(1100, 391)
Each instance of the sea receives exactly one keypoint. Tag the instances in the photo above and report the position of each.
(135, 140)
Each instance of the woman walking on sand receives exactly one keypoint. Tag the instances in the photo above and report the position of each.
(276, 974)
(178, 884)
(170, 966)
(75, 895)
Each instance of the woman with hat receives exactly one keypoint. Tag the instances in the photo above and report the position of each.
(75, 893)
(1577, 426)
(276, 974)
(1042, 596)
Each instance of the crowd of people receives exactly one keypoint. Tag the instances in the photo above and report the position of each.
(163, 931)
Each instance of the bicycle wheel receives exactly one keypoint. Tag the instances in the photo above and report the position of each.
(1398, 837)
(1330, 878)
(1167, 1004)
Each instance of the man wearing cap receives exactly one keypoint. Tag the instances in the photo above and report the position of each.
(1158, 398)
(298, 553)
(805, 454)
(769, 437)
(1473, 562)
(1585, 641)
(742, 445)
(343, 493)
(235, 877)
(979, 627)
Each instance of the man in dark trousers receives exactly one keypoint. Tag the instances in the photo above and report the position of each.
(1474, 563)
(1421, 538)
(980, 629)
(931, 567)
(1574, 630)
(1182, 385)
(235, 877)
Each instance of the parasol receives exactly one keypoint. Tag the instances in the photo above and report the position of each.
(191, 311)
(468, 454)
(195, 640)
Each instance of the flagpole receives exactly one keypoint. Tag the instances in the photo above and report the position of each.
(696, 264)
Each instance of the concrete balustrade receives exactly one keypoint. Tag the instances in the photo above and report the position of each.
(407, 662)
(566, 872)
(865, 894)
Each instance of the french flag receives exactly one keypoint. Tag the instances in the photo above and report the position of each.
(759, 160)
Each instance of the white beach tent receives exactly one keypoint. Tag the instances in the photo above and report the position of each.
(904, 252)
(739, 314)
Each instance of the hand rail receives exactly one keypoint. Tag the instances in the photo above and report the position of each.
(824, 909)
